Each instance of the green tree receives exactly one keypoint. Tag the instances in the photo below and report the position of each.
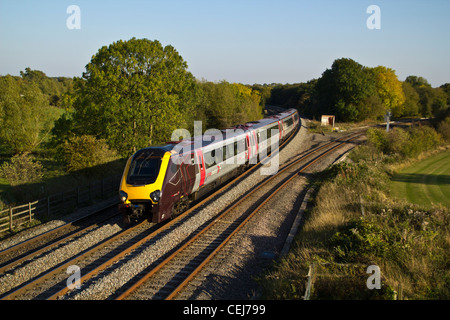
(446, 88)
(226, 104)
(85, 152)
(412, 100)
(416, 81)
(25, 116)
(433, 101)
(343, 90)
(133, 94)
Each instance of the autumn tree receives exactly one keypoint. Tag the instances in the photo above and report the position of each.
(390, 90)
(133, 94)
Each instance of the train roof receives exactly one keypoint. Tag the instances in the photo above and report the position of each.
(210, 138)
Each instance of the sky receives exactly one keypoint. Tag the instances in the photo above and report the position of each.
(246, 41)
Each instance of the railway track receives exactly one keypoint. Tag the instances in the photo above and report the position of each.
(177, 264)
(26, 250)
(51, 282)
(167, 277)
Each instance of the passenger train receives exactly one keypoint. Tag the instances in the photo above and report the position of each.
(161, 181)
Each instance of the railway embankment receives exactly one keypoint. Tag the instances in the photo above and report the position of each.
(358, 240)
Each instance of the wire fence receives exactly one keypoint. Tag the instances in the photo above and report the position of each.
(58, 204)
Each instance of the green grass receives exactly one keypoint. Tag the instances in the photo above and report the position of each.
(426, 182)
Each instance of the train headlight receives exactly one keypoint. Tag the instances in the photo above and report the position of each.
(155, 195)
(123, 196)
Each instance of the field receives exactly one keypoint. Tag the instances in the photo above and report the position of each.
(426, 182)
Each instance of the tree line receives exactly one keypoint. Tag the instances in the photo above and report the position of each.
(354, 92)
(134, 93)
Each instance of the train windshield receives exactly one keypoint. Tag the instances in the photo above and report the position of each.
(144, 169)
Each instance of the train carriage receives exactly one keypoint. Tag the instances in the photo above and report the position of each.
(161, 181)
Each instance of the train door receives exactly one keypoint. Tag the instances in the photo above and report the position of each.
(280, 127)
(248, 151)
(201, 166)
(256, 142)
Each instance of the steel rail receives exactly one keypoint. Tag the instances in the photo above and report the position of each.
(263, 183)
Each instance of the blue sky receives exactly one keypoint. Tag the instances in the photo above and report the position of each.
(247, 41)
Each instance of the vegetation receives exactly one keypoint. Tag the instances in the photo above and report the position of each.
(366, 226)
(21, 169)
(85, 152)
(426, 182)
(133, 94)
(354, 92)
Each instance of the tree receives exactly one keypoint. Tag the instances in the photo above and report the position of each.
(412, 100)
(25, 116)
(226, 104)
(416, 81)
(133, 94)
(389, 89)
(85, 152)
(343, 89)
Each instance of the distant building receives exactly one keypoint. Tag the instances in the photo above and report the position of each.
(327, 120)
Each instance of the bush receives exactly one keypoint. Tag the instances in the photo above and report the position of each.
(404, 143)
(444, 129)
(85, 152)
(22, 169)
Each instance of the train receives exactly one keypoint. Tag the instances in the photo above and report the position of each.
(161, 181)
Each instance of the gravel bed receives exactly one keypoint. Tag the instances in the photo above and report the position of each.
(23, 273)
(42, 228)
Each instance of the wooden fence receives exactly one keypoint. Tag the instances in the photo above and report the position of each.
(58, 204)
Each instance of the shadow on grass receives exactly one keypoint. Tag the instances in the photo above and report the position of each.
(15, 195)
(430, 179)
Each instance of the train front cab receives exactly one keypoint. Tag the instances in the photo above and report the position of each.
(141, 186)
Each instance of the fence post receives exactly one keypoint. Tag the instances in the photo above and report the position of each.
(10, 219)
(29, 209)
(309, 281)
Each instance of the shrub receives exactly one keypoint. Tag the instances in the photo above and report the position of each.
(444, 129)
(22, 169)
(85, 152)
(404, 143)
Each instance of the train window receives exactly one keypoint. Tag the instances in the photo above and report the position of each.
(241, 146)
(144, 169)
(209, 159)
(218, 155)
(230, 150)
(224, 153)
(289, 121)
